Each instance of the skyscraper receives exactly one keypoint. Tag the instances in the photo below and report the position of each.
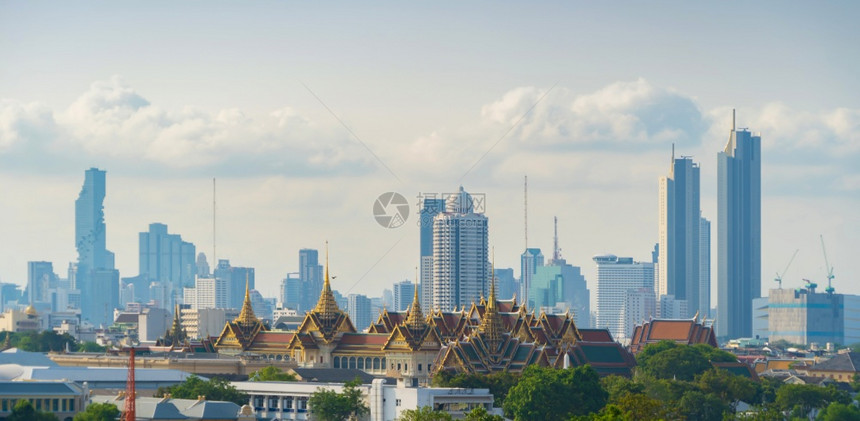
(678, 272)
(40, 279)
(705, 267)
(430, 207)
(310, 273)
(530, 261)
(403, 293)
(96, 277)
(236, 278)
(167, 259)
(359, 311)
(461, 265)
(738, 232)
(615, 277)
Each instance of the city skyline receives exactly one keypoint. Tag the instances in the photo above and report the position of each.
(592, 147)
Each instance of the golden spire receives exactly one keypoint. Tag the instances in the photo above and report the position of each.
(415, 321)
(327, 305)
(246, 315)
(491, 324)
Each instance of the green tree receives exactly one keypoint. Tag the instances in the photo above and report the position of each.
(800, 399)
(729, 387)
(498, 383)
(98, 412)
(216, 389)
(480, 414)
(668, 360)
(839, 412)
(90, 347)
(641, 407)
(328, 405)
(695, 405)
(24, 411)
(271, 374)
(552, 394)
(618, 386)
(425, 413)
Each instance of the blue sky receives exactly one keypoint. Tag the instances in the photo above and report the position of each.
(165, 96)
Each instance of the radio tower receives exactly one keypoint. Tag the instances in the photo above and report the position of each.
(129, 412)
(526, 208)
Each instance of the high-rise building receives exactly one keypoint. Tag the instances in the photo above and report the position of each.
(461, 264)
(310, 273)
(640, 305)
(40, 279)
(738, 233)
(430, 207)
(96, 277)
(403, 294)
(359, 311)
(561, 286)
(236, 279)
(705, 267)
(680, 214)
(208, 293)
(167, 259)
(202, 265)
(616, 276)
(530, 261)
(291, 291)
(506, 284)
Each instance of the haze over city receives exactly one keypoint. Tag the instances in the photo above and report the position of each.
(305, 115)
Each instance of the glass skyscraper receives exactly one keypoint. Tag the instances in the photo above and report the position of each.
(430, 207)
(738, 233)
(96, 277)
(680, 213)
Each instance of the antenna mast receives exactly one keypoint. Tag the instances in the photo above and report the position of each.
(526, 208)
(555, 253)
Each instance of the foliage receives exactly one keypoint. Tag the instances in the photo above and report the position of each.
(839, 412)
(695, 405)
(215, 389)
(425, 413)
(328, 405)
(608, 413)
(641, 407)
(668, 360)
(480, 414)
(24, 411)
(800, 399)
(728, 387)
(90, 347)
(45, 341)
(271, 374)
(618, 386)
(98, 412)
(498, 383)
(552, 394)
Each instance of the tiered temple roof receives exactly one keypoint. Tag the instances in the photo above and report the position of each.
(240, 333)
(681, 331)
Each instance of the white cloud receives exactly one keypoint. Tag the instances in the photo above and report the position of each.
(113, 123)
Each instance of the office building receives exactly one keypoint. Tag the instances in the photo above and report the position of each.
(680, 219)
(234, 278)
(291, 291)
(616, 276)
(95, 276)
(430, 207)
(738, 233)
(506, 284)
(461, 264)
(640, 305)
(705, 267)
(803, 316)
(310, 273)
(403, 292)
(205, 322)
(202, 265)
(167, 259)
(208, 293)
(41, 279)
(530, 261)
(359, 311)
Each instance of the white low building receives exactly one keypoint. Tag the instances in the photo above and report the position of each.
(289, 400)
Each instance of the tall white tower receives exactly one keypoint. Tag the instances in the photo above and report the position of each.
(460, 254)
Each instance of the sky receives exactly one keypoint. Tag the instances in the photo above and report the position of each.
(305, 113)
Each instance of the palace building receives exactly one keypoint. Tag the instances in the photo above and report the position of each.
(493, 335)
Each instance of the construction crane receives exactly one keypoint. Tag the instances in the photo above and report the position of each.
(827, 267)
(129, 412)
(810, 285)
(779, 276)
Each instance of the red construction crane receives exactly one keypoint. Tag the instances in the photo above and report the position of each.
(129, 413)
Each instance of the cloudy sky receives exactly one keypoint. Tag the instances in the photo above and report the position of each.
(306, 113)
